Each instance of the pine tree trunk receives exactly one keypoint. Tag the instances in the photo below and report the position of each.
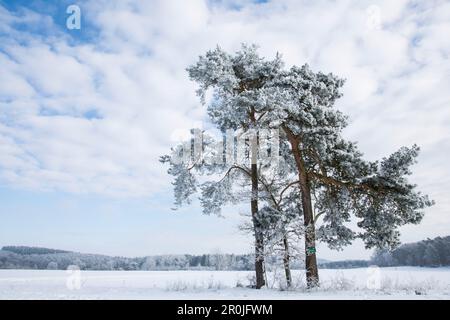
(259, 236)
(259, 240)
(286, 258)
(312, 272)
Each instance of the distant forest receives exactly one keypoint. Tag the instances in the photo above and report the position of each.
(429, 253)
(21, 257)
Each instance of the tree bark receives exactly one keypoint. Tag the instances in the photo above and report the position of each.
(286, 258)
(259, 240)
(259, 236)
(312, 272)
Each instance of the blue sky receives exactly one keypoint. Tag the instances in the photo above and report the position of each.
(85, 114)
(103, 225)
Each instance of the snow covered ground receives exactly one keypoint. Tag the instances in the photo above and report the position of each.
(362, 283)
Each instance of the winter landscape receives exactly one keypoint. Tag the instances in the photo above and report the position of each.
(30, 273)
(222, 149)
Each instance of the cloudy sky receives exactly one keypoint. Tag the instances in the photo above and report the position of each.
(85, 114)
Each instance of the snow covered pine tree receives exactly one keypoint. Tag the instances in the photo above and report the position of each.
(237, 81)
(332, 169)
(252, 92)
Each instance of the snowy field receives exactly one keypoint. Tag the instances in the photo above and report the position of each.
(362, 283)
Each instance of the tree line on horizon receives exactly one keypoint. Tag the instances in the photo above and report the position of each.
(23, 257)
(426, 253)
